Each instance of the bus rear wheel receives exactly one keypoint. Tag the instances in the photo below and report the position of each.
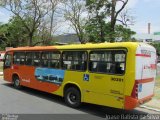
(72, 97)
(16, 82)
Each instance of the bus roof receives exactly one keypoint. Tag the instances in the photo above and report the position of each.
(78, 46)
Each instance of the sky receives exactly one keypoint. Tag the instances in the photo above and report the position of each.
(143, 11)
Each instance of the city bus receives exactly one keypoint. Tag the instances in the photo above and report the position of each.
(119, 75)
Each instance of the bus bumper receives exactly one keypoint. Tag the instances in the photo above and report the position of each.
(131, 103)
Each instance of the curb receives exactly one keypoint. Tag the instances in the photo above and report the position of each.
(150, 108)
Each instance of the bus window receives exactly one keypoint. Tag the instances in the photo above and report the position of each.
(36, 58)
(45, 59)
(112, 62)
(33, 58)
(50, 59)
(19, 58)
(8, 60)
(100, 61)
(28, 58)
(55, 60)
(74, 60)
(120, 62)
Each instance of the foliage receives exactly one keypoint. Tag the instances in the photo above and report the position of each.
(124, 33)
(96, 25)
(102, 23)
(121, 33)
(33, 22)
(74, 13)
(3, 34)
(18, 33)
(157, 46)
(13, 34)
(96, 30)
(30, 12)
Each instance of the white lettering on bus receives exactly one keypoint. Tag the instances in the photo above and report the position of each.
(24, 80)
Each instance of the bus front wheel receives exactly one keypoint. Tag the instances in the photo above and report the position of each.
(16, 82)
(72, 97)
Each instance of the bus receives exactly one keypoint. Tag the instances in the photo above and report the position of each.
(119, 75)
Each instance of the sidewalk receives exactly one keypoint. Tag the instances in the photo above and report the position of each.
(155, 102)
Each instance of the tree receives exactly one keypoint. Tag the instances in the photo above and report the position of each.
(3, 35)
(125, 18)
(96, 25)
(17, 32)
(42, 35)
(13, 33)
(30, 12)
(54, 4)
(75, 12)
(114, 15)
(102, 11)
(123, 33)
(157, 46)
(96, 30)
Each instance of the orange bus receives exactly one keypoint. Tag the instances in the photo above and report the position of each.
(119, 75)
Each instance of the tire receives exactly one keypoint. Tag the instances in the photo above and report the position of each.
(16, 82)
(72, 97)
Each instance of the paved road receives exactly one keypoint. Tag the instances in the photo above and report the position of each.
(29, 101)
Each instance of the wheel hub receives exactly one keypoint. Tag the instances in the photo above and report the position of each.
(72, 98)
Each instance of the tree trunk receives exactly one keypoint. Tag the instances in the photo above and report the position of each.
(80, 38)
(51, 27)
(113, 21)
(30, 39)
(102, 32)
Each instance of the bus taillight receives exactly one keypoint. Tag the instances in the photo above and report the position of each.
(135, 90)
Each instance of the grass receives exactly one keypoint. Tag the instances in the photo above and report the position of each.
(157, 81)
(154, 103)
(157, 88)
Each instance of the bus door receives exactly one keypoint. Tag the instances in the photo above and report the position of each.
(7, 66)
(105, 81)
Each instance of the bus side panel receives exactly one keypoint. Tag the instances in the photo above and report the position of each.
(104, 89)
(99, 89)
(103, 99)
(28, 79)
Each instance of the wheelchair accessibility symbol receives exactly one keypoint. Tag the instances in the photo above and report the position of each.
(86, 77)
